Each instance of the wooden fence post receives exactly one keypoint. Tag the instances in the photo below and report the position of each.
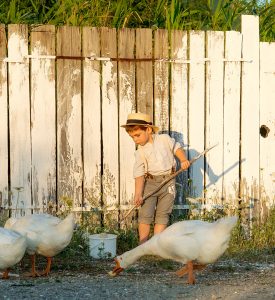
(196, 109)
(127, 105)
(110, 128)
(69, 114)
(214, 116)
(92, 127)
(179, 104)
(249, 187)
(161, 80)
(144, 71)
(43, 110)
(267, 127)
(4, 174)
(19, 119)
(231, 117)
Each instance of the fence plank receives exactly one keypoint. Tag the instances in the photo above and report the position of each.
(233, 45)
(214, 116)
(144, 71)
(110, 125)
(179, 103)
(127, 104)
(161, 77)
(196, 110)
(92, 123)
(69, 157)
(267, 126)
(250, 114)
(4, 174)
(19, 117)
(43, 118)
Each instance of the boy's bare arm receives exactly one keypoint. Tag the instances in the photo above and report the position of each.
(139, 185)
(184, 162)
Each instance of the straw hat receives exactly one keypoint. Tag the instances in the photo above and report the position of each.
(140, 119)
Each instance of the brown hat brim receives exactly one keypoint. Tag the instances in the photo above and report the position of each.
(155, 128)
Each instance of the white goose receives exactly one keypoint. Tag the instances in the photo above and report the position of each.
(12, 249)
(194, 243)
(46, 235)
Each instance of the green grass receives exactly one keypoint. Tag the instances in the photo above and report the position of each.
(259, 246)
(169, 14)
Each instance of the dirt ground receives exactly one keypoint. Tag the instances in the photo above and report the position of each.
(150, 278)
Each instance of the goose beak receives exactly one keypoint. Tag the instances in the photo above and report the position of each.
(117, 269)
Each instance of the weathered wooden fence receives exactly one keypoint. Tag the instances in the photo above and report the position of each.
(65, 91)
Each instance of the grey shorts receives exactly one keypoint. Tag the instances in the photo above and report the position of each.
(158, 207)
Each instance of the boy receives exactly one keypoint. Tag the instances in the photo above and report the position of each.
(154, 162)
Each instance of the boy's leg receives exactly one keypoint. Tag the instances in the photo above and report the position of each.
(146, 212)
(159, 228)
(164, 206)
(143, 231)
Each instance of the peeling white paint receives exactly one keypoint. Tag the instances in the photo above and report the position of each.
(250, 105)
(144, 71)
(161, 84)
(196, 111)
(3, 136)
(110, 134)
(43, 133)
(126, 84)
(214, 116)
(18, 47)
(19, 108)
(75, 74)
(179, 102)
(92, 134)
(127, 146)
(267, 119)
(231, 118)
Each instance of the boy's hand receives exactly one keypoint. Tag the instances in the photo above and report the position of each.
(139, 185)
(138, 200)
(185, 164)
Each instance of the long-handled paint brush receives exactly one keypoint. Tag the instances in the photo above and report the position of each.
(168, 179)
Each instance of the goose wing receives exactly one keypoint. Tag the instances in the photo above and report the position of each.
(8, 237)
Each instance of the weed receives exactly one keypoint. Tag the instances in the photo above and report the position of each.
(258, 246)
(261, 240)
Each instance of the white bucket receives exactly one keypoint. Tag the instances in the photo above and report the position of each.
(102, 245)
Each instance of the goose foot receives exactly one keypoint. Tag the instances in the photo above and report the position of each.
(191, 280)
(184, 270)
(191, 277)
(188, 269)
(5, 275)
(48, 267)
(33, 273)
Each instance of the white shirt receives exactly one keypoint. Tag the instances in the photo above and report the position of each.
(156, 158)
